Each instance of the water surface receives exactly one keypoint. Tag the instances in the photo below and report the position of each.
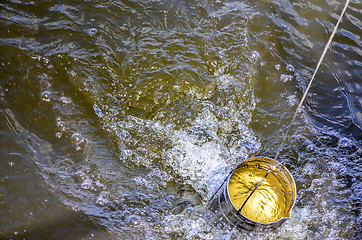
(123, 117)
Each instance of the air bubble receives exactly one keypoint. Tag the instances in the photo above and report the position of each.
(291, 99)
(80, 176)
(310, 147)
(176, 88)
(344, 143)
(11, 164)
(87, 184)
(97, 110)
(277, 67)
(317, 182)
(127, 213)
(255, 56)
(46, 96)
(46, 60)
(92, 31)
(325, 175)
(58, 135)
(144, 198)
(56, 8)
(210, 105)
(290, 68)
(66, 100)
(61, 125)
(170, 198)
(127, 153)
(102, 199)
(134, 220)
(77, 139)
(286, 78)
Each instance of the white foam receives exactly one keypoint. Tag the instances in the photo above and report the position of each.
(201, 158)
(201, 164)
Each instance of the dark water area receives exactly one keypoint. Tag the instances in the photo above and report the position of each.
(119, 119)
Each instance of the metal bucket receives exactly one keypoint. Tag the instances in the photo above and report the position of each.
(268, 207)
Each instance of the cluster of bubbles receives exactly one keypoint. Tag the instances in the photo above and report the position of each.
(76, 138)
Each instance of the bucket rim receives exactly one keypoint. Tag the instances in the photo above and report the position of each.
(284, 169)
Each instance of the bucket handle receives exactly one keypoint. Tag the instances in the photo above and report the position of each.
(222, 184)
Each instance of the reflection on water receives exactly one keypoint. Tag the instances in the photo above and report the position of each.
(132, 113)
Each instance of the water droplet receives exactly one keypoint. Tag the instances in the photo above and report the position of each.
(58, 135)
(46, 96)
(11, 164)
(277, 67)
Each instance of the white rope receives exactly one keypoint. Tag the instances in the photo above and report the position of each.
(310, 82)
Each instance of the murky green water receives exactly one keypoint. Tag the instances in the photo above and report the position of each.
(119, 119)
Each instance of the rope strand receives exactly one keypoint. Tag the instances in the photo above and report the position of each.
(310, 83)
(273, 165)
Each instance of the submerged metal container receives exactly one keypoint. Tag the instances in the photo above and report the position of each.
(269, 206)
